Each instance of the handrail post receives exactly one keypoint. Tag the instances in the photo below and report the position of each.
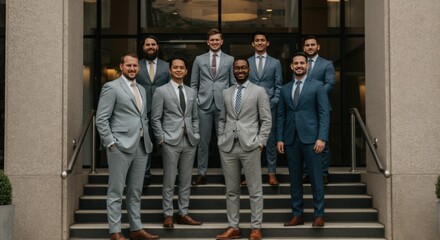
(353, 142)
(93, 168)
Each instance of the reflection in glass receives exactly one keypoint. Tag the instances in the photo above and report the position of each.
(354, 16)
(89, 17)
(111, 52)
(320, 16)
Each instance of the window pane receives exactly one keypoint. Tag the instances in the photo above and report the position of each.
(89, 17)
(118, 17)
(89, 77)
(246, 16)
(178, 16)
(354, 16)
(111, 52)
(320, 16)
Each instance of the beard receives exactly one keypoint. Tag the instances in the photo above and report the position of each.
(151, 57)
(300, 74)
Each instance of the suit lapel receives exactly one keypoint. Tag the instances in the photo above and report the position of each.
(247, 91)
(128, 92)
(289, 89)
(144, 69)
(173, 95)
(305, 88)
(253, 66)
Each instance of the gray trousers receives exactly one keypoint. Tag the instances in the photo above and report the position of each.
(177, 160)
(207, 118)
(232, 162)
(125, 169)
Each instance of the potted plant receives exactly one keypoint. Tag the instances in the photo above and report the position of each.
(6, 208)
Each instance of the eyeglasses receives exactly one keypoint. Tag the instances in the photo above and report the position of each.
(242, 68)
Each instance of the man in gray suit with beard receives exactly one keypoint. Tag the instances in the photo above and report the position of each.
(244, 127)
(121, 120)
(211, 74)
(153, 73)
(176, 128)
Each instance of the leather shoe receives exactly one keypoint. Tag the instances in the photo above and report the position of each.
(318, 222)
(306, 179)
(168, 222)
(200, 180)
(256, 234)
(243, 183)
(116, 236)
(142, 234)
(294, 221)
(230, 233)
(188, 220)
(273, 180)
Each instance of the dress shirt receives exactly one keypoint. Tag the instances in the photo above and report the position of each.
(219, 53)
(314, 61)
(300, 87)
(243, 90)
(128, 82)
(176, 89)
(258, 59)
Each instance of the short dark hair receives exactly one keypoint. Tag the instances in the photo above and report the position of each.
(213, 32)
(177, 58)
(152, 37)
(303, 54)
(310, 37)
(131, 54)
(238, 59)
(259, 33)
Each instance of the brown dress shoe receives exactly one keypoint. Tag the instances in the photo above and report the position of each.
(294, 221)
(142, 234)
(168, 222)
(200, 180)
(230, 233)
(273, 180)
(116, 236)
(187, 219)
(256, 234)
(318, 222)
(243, 183)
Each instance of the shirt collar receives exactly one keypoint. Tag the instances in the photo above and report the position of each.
(175, 85)
(264, 54)
(314, 58)
(244, 85)
(212, 53)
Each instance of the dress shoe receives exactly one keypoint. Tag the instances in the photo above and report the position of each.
(306, 179)
(188, 220)
(200, 180)
(256, 234)
(243, 183)
(273, 180)
(142, 235)
(116, 236)
(230, 233)
(318, 222)
(294, 221)
(168, 222)
(325, 180)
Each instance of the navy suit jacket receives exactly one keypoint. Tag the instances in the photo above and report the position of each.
(324, 71)
(310, 119)
(271, 80)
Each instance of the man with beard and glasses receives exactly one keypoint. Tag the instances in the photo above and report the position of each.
(244, 127)
(302, 133)
(153, 73)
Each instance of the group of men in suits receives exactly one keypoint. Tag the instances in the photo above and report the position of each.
(239, 97)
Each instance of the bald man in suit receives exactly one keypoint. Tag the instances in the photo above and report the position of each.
(121, 120)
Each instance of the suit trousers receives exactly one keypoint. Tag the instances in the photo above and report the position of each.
(271, 153)
(297, 154)
(125, 169)
(232, 163)
(177, 160)
(207, 118)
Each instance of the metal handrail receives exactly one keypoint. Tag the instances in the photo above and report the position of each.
(77, 146)
(354, 115)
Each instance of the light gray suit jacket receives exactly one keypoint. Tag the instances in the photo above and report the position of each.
(117, 118)
(169, 121)
(253, 123)
(210, 88)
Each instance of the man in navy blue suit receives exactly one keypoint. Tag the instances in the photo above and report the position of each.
(302, 133)
(322, 70)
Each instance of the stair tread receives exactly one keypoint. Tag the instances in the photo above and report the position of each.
(222, 185)
(278, 196)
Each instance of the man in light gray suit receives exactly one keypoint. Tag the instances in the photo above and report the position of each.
(244, 127)
(267, 73)
(176, 128)
(211, 74)
(153, 73)
(322, 70)
(121, 120)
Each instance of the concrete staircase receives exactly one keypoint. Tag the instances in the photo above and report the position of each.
(349, 213)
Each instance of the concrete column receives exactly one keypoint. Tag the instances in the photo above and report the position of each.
(402, 95)
(43, 113)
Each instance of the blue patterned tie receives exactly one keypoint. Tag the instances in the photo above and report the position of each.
(296, 94)
(238, 99)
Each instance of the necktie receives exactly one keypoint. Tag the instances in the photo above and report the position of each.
(238, 99)
(309, 70)
(137, 97)
(182, 99)
(260, 65)
(296, 94)
(151, 70)
(214, 64)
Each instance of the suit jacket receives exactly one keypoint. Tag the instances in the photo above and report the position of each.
(271, 80)
(168, 120)
(253, 123)
(310, 119)
(117, 118)
(210, 88)
(161, 77)
(324, 71)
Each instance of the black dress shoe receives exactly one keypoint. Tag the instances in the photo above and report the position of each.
(200, 180)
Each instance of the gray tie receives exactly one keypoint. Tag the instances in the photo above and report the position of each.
(182, 99)
(296, 94)
(260, 65)
(309, 70)
(214, 64)
(237, 105)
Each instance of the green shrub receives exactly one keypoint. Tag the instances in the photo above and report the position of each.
(5, 189)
